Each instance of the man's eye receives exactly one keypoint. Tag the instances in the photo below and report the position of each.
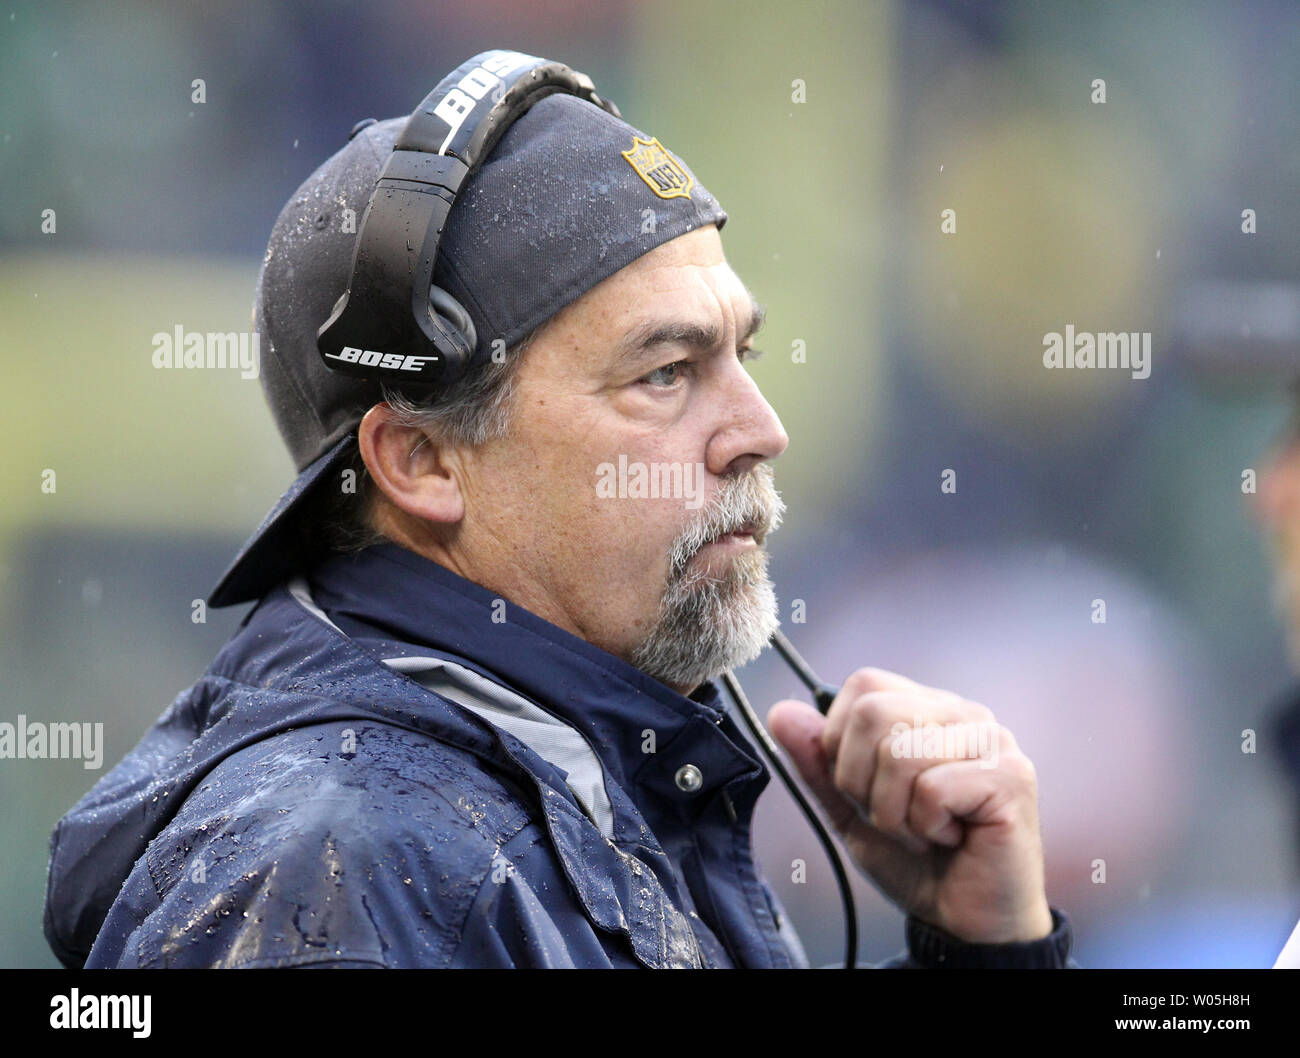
(665, 377)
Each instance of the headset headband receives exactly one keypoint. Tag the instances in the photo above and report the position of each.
(392, 323)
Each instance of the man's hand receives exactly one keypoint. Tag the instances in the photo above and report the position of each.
(951, 840)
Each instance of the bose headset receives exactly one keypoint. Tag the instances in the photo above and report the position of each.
(392, 323)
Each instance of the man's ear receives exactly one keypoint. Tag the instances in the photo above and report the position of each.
(416, 474)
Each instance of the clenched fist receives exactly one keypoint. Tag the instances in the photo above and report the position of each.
(933, 799)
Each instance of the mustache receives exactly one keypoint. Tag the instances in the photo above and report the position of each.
(745, 503)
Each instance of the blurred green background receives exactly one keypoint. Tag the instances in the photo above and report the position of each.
(834, 134)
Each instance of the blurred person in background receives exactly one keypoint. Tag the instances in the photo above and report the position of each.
(1277, 505)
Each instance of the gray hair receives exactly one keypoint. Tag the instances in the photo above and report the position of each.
(476, 409)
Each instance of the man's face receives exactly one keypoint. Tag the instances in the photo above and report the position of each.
(1278, 506)
(635, 389)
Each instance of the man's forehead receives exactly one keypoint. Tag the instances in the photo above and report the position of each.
(686, 279)
(684, 291)
(692, 266)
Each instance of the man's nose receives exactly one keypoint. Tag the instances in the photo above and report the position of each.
(754, 432)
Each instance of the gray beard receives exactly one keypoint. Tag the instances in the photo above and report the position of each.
(707, 625)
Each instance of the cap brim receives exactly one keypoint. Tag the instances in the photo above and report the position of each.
(276, 550)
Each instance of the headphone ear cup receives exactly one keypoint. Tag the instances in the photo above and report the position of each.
(458, 320)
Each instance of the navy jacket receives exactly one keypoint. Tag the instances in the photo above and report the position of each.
(309, 803)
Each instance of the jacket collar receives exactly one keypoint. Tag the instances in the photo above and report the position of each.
(397, 602)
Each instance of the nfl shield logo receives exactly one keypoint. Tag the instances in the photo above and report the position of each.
(659, 169)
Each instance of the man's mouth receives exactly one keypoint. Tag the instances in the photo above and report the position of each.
(747, 535)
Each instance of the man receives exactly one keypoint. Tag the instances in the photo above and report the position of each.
(471, 719)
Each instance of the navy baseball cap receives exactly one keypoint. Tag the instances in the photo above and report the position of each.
(567, 198)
